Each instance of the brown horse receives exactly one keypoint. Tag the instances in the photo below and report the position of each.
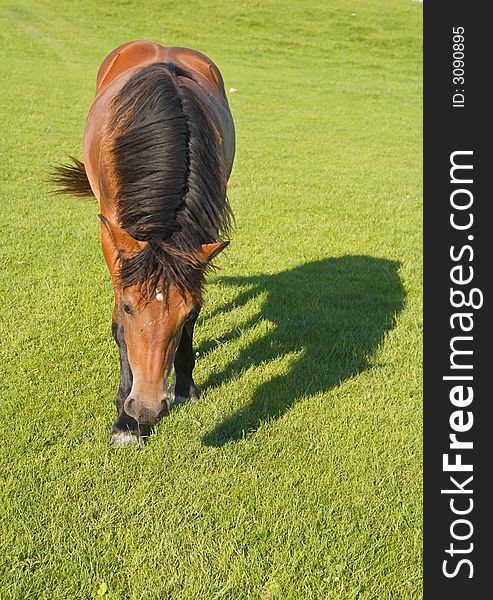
(158, 150)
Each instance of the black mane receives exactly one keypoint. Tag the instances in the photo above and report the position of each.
(171, 184)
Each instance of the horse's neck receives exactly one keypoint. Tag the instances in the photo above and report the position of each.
(113, 73)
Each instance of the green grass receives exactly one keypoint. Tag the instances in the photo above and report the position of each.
(297, 475)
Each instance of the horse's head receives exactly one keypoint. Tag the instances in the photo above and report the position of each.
(152, 321)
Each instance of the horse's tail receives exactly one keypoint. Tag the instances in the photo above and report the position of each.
(71, 179)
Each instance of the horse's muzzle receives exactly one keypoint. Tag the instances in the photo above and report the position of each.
(145, 413)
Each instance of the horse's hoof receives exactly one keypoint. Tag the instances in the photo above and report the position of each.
(186, 399)
(126, 438)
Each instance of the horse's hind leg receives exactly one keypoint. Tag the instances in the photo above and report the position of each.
(125, 429)
(183, 387)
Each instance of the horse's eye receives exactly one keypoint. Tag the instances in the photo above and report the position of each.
(127, 308)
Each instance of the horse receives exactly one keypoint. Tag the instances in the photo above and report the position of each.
(158, 149)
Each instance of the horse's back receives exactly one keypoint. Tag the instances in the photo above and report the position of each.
(140, 53)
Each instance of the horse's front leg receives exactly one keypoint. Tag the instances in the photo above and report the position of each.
(184, 388)
(125, 429)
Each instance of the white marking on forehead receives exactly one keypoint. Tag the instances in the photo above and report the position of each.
(159, 296)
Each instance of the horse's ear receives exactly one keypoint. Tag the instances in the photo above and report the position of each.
(212, 250)
(122, 242)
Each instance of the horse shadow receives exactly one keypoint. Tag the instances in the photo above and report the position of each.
(329, 316)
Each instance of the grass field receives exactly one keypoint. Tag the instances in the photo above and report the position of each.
(298, 474)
